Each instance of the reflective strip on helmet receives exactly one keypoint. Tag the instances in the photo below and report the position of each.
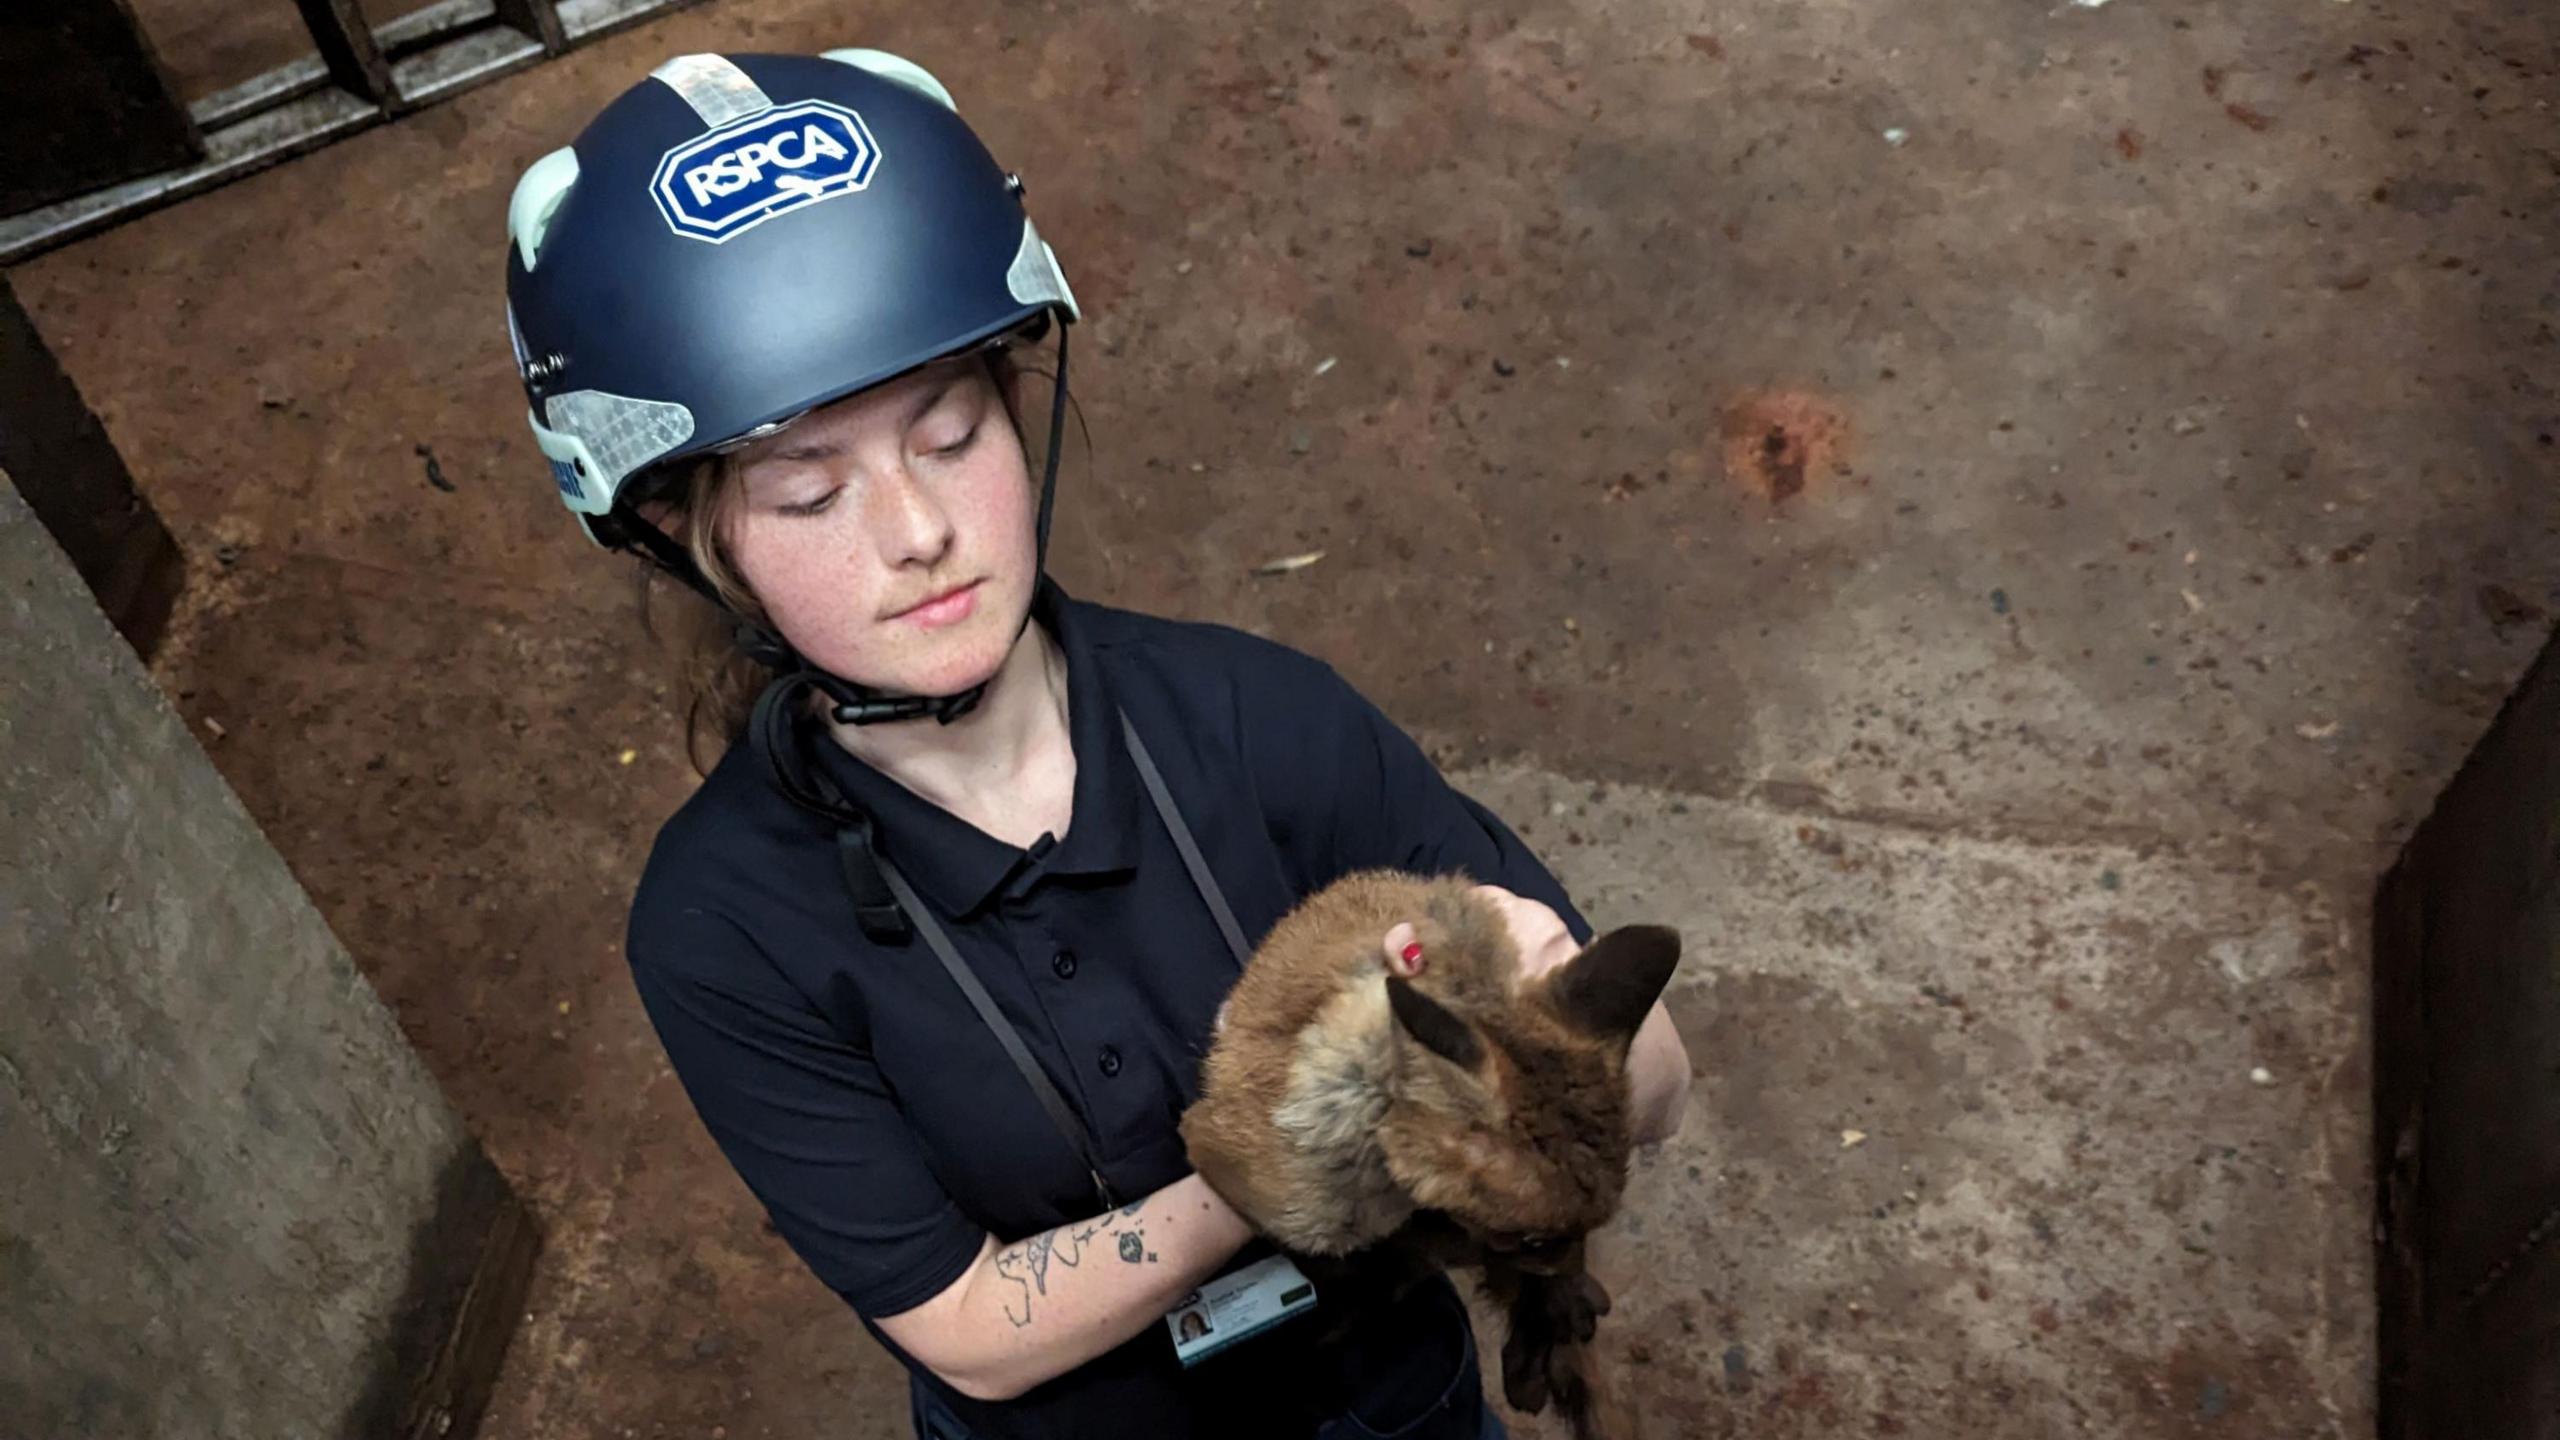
(573, 470)
(896, 67)
(595, 441)
(538, 193)
(717, 89)
(1035, 277)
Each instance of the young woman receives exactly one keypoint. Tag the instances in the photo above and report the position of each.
(938, 945)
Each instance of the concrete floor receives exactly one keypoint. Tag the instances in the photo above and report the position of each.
(1995, 519)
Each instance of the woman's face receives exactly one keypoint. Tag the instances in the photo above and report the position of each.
(889, 535)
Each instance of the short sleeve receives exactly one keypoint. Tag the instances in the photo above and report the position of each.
(803, 1116)
(1355, 792)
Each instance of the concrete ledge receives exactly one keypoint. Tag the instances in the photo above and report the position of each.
(232, 1202)
(470, 1264)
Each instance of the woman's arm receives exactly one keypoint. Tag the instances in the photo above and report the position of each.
(1031, 1311)
(812, 1127)
(1658, 1078)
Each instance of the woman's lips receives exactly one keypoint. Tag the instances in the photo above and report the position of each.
(948, 608)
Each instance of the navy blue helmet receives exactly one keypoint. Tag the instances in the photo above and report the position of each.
(739, 239)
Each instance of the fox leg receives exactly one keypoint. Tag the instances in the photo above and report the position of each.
(1548, 1354)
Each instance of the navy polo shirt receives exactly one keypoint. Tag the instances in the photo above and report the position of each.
(860, 1097)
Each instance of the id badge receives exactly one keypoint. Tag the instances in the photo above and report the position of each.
(1237, 1306)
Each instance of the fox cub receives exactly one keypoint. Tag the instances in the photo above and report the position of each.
(1467, 1116)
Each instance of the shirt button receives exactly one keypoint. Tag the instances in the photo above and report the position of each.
(1110, 1062)
(1064, 962)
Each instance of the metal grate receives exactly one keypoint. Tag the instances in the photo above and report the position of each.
(358, 75)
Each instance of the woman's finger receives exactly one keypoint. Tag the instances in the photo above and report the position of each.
(1403, 952)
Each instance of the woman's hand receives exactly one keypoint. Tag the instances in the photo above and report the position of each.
(1536, 929)
(1657, 1063)
(1537, 932)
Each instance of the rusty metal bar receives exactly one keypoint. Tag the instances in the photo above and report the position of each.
(535, 18)
(462, 62)
(260, 93)
(361, 76)
(231, 152)
(86, 103)
(433, 25)
(586, 20)
(346, 45)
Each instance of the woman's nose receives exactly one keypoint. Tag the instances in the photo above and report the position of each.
(912, 527)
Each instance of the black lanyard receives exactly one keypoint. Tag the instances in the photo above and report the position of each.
(1062, 1114)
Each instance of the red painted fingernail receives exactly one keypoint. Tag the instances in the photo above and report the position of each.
(1413, 953)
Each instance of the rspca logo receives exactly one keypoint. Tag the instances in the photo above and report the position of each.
(745, 173)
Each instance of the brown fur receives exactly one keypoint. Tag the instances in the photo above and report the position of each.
(1331, 1117)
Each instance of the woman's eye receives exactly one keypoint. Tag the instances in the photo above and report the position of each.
(945, 452)
(811, 506)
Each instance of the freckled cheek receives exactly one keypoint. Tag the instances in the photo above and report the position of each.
(993, 517)
(972, 496)
(814, 584)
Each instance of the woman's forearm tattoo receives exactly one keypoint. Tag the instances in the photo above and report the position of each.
(1026, 1263)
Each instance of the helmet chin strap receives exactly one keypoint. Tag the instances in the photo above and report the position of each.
(849, 703)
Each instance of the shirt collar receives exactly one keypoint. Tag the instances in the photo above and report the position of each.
(959, 867)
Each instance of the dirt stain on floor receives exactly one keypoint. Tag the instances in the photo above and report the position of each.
(1777, 442)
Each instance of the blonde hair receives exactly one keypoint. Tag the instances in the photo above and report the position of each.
(716, 683)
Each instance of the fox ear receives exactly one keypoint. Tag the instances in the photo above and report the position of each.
(1606, 990)
(1434, 1025)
